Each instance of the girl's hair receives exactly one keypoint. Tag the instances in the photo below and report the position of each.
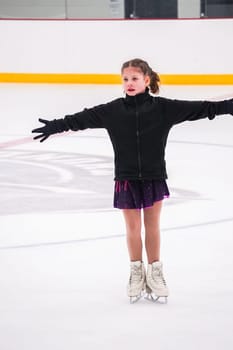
(146, 70)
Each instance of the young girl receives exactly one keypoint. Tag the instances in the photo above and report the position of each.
(138, 126)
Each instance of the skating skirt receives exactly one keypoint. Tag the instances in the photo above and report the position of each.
(137, 194)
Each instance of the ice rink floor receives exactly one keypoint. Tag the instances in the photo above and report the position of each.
(63, 256)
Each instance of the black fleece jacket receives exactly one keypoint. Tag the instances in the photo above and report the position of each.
(138, 127)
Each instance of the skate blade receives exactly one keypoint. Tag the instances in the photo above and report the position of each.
(155, 299)
(135, 299)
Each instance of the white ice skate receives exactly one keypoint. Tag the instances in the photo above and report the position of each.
(136, 285)
(155, 283)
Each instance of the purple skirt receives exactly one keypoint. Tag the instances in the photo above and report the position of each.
(137, 194)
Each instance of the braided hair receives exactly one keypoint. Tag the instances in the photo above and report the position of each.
(146, 70)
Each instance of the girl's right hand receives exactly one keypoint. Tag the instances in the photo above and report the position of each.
(45, 131)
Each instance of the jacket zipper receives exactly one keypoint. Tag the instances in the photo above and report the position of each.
(138, 141)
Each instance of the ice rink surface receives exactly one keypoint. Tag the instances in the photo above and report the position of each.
(63, 256)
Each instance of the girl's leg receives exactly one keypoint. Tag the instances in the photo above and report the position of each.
(133, 229)
(156, 284)
(152, 231)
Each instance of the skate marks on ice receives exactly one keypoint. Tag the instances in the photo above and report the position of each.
(43, 181)
(35, 181)
(107, 237)
(54, 181)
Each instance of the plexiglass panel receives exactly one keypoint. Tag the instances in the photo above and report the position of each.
(111, 9)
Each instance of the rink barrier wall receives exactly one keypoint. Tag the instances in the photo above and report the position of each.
(166, 79)
(91, 52)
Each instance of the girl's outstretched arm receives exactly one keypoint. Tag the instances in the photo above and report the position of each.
(178, 111)
(89, 118)
(50, 127)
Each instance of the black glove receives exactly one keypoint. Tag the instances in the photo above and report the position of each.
(51, 127)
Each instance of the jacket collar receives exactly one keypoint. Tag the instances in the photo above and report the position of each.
(138, 99)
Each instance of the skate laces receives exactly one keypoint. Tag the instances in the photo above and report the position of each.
(157, 275)
(136, 274)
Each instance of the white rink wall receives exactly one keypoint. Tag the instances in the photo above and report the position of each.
(170, 46)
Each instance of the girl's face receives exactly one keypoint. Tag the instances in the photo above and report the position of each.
(134, 81)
